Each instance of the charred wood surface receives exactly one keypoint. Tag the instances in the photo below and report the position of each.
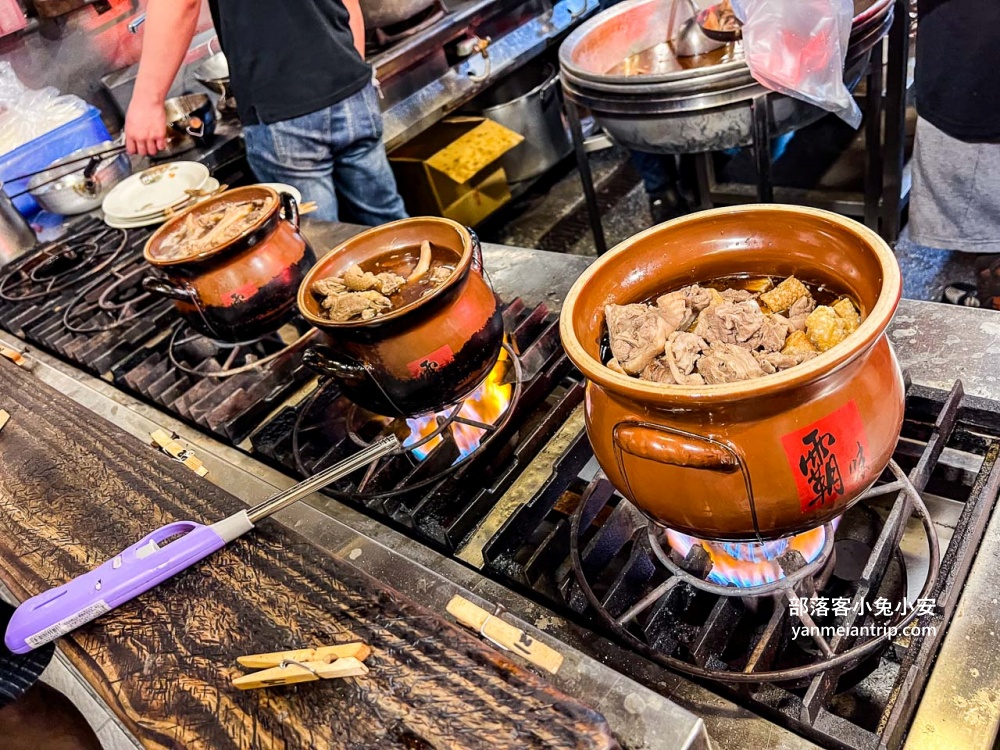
(76, 490)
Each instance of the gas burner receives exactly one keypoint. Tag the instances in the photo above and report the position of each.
(749, 569)
(64, 263)
(683, 586)
(382, 38)
(110, 303)
(198, 355)
(433, 445)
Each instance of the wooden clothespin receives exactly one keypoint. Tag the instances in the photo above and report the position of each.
(503, 634)
(169, 445)
(304, 665)
(13, 355)
(4, 418)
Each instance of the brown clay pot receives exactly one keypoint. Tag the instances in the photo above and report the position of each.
(764, 458)
(419, 358)
(244, 288)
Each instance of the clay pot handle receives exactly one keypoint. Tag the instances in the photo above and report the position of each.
(325, 362)
(162, 287)
(674, 447)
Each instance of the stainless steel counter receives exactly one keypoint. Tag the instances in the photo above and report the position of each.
(936, 343)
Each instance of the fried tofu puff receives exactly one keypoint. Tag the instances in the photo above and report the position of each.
(782, 296)
(825, 328)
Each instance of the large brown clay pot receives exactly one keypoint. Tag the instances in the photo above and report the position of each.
(243, 288)
(421, 357)
(764, 458)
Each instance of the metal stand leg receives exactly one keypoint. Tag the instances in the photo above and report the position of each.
(706, 179)
(895, 121)
(873, 137)
(586, 177)
(759, 114)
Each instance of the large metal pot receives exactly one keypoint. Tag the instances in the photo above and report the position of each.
(379, 14)
(420, 357)
(528, 103)
(213, 74)
(693, 110)
(79, 187)
(241, 289)
(763, 458)
(16, 236)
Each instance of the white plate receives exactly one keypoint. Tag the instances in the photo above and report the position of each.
(145, 221)
(154, 190)
(283, 188)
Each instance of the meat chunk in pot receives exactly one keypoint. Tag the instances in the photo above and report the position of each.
(676, 311)
(771, 335)
(772, 362)
(728, 363)
(799, 311)
(637, 335)
(658, 371)
(683, 351)
(347, 306)
(730, 322)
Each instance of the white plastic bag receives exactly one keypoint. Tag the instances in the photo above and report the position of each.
(26, 114)
(798, 47)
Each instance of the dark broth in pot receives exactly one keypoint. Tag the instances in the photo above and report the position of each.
(403, 262)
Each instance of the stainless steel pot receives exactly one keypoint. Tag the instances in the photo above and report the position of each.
(213, 74)
(190, 121)
(74, 192)
(16, 236)
(694, 110)
(528, 103)
(379, 14)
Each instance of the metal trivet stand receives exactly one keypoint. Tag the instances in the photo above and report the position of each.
(239, 357)
(304, 423)
(800, 582)
(120, 299)
(64, 263)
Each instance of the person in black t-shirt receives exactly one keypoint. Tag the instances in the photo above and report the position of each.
(955, 201)
(304, 93)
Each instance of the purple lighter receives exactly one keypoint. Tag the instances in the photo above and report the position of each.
(146, 563)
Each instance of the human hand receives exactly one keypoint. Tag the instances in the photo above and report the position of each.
(145, 128)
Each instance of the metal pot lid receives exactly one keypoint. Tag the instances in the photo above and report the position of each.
(59, 168)
(628, 24)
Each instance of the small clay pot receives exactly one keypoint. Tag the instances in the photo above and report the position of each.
(244, 288)
(764, 458)
(421, 357)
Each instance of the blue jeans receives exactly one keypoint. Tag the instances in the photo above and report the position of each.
(333, 155)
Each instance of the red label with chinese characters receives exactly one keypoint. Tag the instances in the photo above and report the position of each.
(430, 362)
(829, 457)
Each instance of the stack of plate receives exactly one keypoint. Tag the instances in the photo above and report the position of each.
(155, 194)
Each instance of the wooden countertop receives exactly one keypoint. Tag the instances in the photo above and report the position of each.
(75, 491)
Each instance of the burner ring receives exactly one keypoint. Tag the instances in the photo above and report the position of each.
(226, 371)
(130, 310)
(912, 502)
(782, 584)
(452, 417)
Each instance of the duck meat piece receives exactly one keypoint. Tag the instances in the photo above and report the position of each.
(730, 322)
(637, 334)
(799, 311)
(683, 351)
(676, 311)
(772, 362)
(346, 306)
(736, 295)
(658, 371)
(771, 335)
(728, 363)
(697, 298)
(385, 283)
(326, 287)
(613, 365)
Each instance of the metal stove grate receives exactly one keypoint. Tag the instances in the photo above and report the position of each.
(949, 448)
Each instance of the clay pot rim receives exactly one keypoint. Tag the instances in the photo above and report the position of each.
(863, 338)
(228, 195)
(319, 271)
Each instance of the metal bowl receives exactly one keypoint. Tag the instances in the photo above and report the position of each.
(71, 193)
(213, 74)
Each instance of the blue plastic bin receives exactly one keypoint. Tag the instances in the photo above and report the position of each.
(85, 130)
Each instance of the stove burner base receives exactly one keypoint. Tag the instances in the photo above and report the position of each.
(235, 352)
(788, 594)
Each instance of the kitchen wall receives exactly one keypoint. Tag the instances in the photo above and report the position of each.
(87, 46)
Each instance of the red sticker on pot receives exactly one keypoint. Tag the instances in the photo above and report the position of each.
(430, 362)
(828, 458)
